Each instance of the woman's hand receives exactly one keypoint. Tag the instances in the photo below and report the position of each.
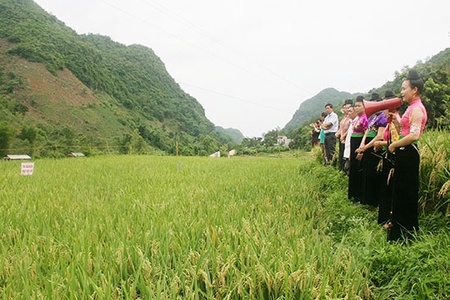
(392, 147)
(377, 146)
(361, 149)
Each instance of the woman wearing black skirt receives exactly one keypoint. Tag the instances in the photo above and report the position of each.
(371, 181)
(355, 171)
(405, 191)
(391, 134)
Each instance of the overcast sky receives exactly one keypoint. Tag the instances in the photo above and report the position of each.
(251, 63)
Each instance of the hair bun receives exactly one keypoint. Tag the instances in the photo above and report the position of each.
(413, 75)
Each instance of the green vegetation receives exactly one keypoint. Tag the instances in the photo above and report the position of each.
(167, 227)
(100, 91)
(435, 173)
(139, 226)
(436, 97)
(310, 109)
(235, 134)
(95, 95)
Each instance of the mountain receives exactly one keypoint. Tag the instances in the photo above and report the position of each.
(435, 73)
(88, 90)
(235, 134)
(313, 107)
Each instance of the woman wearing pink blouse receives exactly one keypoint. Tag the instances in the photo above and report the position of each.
(355, 171)
(405, 190)
(341, 134)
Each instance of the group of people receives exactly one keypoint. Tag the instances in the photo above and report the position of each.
(379, 153)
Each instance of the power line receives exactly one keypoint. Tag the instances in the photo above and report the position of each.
(197, 29)
(220, 43)
(167, 12)
(237, 98)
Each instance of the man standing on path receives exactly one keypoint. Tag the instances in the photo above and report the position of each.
(330, 126)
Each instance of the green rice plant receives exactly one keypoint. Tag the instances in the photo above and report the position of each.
(435, 172)
(165, 227)
(317, 153)
(142, 227)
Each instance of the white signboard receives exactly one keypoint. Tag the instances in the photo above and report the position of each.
(27, 168)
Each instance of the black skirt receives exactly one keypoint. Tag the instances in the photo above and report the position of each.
(371, 177)
(385, 206)
(355, 172)
(405, 193)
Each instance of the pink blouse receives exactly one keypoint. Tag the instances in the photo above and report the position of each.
(406, 118)
(344, 125)
(360, 124)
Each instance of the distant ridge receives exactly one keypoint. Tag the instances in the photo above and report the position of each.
(235, 134)
(313, 107)
(435, 72)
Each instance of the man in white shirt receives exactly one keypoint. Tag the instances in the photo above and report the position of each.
(330, 126)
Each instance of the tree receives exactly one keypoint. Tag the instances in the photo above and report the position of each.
(271, 138)
(28, 133)
(301, 138)
(125, 143)
(251, 142)
(208, 145)
(138, 143)
(437, 101)
(5, 138)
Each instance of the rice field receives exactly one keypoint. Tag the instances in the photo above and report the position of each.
(435, 172)
(143, 227)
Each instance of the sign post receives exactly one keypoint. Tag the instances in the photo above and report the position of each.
(27, 168)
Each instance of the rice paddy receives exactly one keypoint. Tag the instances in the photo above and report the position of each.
(143, 227)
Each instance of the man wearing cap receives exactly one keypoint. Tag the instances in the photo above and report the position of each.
(330, 126)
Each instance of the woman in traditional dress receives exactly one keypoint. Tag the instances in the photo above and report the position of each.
(405, 190)
(371, 180)
(391, 134)
(355, 171)
(342, 132)
(352, 115)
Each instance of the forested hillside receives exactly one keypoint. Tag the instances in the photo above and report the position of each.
(92, 91)
(235, 134)
(436, 97)
(311, 108)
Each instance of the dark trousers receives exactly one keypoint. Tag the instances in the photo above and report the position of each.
(341, 156)
(355, 172)
(330, 145)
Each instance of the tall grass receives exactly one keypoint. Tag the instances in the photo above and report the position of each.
(128, 227)
(435, 172)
